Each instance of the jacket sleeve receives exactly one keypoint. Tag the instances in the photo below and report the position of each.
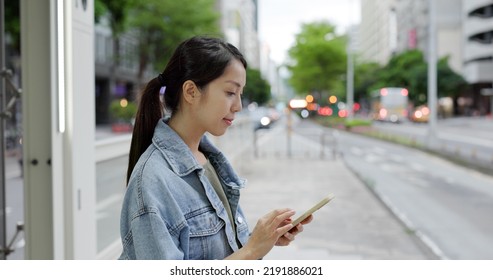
(152, 240)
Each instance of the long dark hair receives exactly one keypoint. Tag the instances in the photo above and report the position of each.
(200, 59)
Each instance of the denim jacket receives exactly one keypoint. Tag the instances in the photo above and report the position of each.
(170, 209)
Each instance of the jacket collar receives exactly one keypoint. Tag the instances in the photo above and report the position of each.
(182, 161)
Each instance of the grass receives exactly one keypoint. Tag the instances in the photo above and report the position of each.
(402, 140)
(337, 122)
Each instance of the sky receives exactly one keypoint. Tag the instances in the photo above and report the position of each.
(280, 20)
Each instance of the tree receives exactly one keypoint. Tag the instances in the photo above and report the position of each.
(410, 70)
(162, 25)
(364, 77)
(117, 12)
(257, 89)
(318, 60)
(159, 26)
(449, 83)
(12, 25)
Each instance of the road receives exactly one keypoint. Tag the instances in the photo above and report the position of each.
(469, 139)
(448, 206)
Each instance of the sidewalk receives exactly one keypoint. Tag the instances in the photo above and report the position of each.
(355, 225)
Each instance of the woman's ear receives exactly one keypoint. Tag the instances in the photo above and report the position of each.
(189, 91)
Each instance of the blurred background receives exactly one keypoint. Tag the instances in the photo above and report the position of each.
(353, 77)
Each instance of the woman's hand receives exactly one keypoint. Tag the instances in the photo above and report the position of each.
(266, 233)
(289, 236)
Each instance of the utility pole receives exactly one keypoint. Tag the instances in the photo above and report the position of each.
(432, 73)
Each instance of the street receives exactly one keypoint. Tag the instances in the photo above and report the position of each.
(448, 206)
(468, 139)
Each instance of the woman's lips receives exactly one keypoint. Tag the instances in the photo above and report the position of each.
(228, 121)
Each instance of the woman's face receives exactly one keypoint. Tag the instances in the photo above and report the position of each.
(221, 99)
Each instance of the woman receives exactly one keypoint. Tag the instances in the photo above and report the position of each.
(182, 196)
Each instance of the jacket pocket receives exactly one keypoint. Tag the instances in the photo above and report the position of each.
(203, 222)
(208, 238)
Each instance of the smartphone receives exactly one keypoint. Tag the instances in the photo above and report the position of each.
(313, 209)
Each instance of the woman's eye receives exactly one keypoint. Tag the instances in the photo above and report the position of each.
(231, 93)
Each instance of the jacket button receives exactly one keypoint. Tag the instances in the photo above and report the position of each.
(240, 220)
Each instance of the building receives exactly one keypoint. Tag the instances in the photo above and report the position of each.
(413, 22)
(464, 34)
(113, 81)
(478, 51)
(377, 32)
(393, 26)
(239, 23)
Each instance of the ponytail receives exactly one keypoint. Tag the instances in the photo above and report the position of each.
(150, 111)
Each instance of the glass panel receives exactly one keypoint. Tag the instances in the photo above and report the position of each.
(110, 188)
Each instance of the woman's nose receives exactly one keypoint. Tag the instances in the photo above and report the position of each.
(237, 106)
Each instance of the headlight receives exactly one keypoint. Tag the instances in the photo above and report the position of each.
(265, 121)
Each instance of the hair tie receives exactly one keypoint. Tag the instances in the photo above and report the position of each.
(160, 78)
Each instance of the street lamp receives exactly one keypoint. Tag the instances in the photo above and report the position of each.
(350, 72)
(350, 80)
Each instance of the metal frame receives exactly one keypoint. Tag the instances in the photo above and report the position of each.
(3, 214)
(5, 80)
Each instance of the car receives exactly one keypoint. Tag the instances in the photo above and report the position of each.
(263, 117)
(420, 114)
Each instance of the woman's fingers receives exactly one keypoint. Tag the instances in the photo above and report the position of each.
(275, 228)
(283, 229)
(307, 220)
(281, 217)
(297, 229)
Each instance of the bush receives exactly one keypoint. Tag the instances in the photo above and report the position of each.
(356, 122)
(342, 123)
(122, 110)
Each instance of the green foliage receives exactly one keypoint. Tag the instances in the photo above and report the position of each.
(99, 10)
(345, 123)
(122, 114)
(410, 70)
(349, 123)
(400, 68)
(257, 89)
(162, 25)
(449, 83)
(318, 59)
(12, 22)
(159, 25)
(117, 12)
(364, 77)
